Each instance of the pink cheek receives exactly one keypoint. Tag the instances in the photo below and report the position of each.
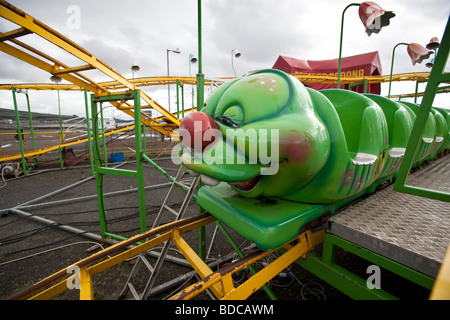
(296, 148)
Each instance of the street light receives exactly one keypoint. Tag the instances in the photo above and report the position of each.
(417, 53)
(234, 54)
(177, 51)
(134, 68)
(433, 44)
(372, 16)
(192, 59)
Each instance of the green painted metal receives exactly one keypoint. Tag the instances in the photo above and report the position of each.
(61, 135)
(30, 119)
(397, 268)
(437, 76)
(324, 266)
(392, 65)
(105, 158)
(200, 75)
(101, 170)
(19, 133)
(364, 83)
(89, 133)
(346, 282)
(144, 139)
(200, 102)
(238, 250)
(340, 42)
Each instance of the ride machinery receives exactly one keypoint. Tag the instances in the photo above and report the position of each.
(277, 160)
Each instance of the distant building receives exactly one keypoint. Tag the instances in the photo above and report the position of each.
(367, 64)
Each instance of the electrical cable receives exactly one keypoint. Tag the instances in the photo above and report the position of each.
(49, 250)
(3, 178)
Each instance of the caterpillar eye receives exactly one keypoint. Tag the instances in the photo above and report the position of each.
(227, 122)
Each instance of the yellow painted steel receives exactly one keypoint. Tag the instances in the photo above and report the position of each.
(154, 81)
(57, 283)
(220, 282)
(71, 74)
(305, 243)
(195, 261)
(86, 285)
(42, 151)
(441, 288)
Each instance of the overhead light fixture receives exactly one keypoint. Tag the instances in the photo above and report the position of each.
(135, 67)
(234, 54)
(55, 79)
(433, 44)
(418, 53)
(374, 17)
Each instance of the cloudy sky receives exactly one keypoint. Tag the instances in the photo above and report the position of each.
(120, 32)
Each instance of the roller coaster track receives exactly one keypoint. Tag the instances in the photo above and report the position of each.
(220, 281)
(43, 151)
(27, 53)
(154, 81)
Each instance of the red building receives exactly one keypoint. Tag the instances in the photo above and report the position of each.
(367, 64)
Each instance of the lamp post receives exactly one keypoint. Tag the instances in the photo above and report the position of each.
(177, 51)
(372, 16)
(433, 44)
(234, 54)
(192, 59)
(200, 75)
(417, 53)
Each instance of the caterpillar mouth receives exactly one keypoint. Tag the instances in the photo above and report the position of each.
(246, 185)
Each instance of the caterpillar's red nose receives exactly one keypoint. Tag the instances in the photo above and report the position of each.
(197, 130)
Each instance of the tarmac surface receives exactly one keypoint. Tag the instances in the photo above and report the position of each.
(31, 250)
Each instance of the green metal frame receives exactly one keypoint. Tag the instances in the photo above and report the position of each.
(437, 76)
(392, 65)
(25, 167)
(101, 170)
(88, 126)
(200, 102)
(347, 282)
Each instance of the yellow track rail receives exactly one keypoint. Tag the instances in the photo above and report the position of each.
(42, 151)
(220, 282)
(39, 59)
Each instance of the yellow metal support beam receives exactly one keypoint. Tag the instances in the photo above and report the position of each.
(305, 243)
(42, 151)
(74, 69)
(86, 285)
(441, 288)
(57, 283)
(29, 24)
(195, 261)
(13, 34)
